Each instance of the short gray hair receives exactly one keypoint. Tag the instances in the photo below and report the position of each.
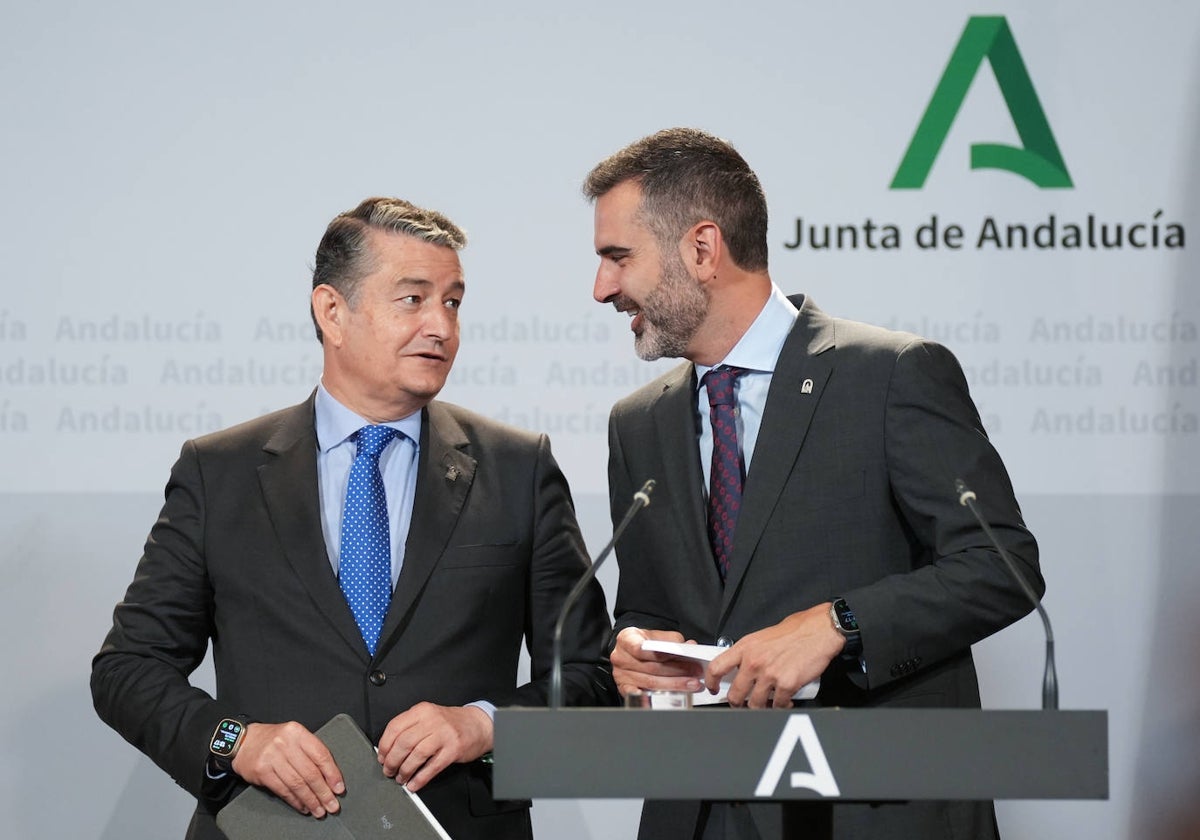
(343, 258)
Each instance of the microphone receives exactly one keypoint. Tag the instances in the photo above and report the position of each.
(966, 498)
(641, 499)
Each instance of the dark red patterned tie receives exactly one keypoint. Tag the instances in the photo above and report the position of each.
(728, 472)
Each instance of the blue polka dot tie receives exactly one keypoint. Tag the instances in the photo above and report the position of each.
(728, 471)
(365, 562)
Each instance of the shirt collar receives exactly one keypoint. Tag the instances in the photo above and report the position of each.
(336, 423)
(759, 347)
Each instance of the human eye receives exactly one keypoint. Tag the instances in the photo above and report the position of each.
(452, 303)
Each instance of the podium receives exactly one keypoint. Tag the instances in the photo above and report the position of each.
(820, 753)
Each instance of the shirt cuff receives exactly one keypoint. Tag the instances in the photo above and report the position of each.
(212, 771)
(488, 708)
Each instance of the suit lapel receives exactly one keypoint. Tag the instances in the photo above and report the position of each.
(289, 487)
(790, 406)
(444, 475)
(674, 418)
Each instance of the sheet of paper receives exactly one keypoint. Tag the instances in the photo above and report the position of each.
(707, 653)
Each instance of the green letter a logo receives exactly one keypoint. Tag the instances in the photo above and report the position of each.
(1039, 160)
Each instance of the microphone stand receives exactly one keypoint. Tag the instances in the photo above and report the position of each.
(966, 498)
(640, 500)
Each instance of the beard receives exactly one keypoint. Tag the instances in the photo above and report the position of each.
(671, 313)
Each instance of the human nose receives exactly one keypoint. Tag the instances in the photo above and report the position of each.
(440, 322)
(605, 288)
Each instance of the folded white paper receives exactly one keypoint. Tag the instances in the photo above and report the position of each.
(707, 653)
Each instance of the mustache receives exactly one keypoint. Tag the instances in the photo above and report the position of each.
(624, 303)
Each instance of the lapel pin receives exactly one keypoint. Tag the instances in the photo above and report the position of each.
(806, 386)
(451, 473)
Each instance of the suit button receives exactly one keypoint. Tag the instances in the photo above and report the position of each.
(377, 678)
(895, 670)
(724, 641)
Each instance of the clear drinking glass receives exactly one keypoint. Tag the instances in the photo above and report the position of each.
(658, 700)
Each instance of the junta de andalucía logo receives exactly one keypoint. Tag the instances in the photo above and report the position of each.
(1038, 159)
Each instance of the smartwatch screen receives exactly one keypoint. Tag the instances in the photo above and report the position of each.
(226, 737)
(845, 616)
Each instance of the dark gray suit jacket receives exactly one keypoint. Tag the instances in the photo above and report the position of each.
(237, 556)
(850, 493)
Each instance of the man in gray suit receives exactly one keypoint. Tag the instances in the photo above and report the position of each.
(813, 522)
(370, 551)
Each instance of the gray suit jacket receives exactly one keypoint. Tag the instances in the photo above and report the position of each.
(237, 556)
(850, 493)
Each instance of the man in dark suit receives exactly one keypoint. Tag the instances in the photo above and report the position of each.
(410, 617)
(810, 481)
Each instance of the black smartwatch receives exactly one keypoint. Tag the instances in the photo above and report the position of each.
(226, 740)
(846, 624)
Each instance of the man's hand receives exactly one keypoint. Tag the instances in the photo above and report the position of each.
(425, 740)
(634, 668)
(292, 763)
(776, 662)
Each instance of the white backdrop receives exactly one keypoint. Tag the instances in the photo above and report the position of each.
(167, 172)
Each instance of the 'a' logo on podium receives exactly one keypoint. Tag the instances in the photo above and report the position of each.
(798, 732)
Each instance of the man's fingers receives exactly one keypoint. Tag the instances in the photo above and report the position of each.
(393, 733)
(668, 669)
(634, 668)
(393, 757)
(277, 786)
(782, 699)
(629, 642)
(420, 752)
(652, 681)
(739, 690)
(313, 779)
(720, 666)
(637, 669)
(434, 764)
(293, 764)
(329, 778)
(296, 791)
(427, 739)
(760, 696)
